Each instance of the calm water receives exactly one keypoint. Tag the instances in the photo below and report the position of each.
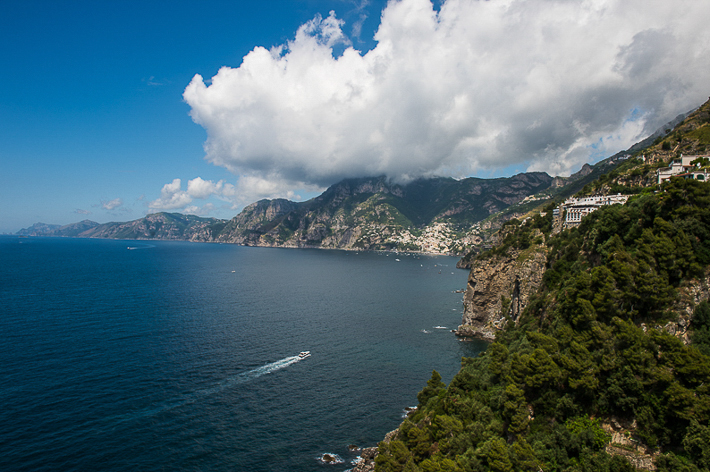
(180, 356)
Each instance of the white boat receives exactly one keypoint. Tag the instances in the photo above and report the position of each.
(304, 354)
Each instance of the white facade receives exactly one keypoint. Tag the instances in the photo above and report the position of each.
(578, 208)
(682, 168)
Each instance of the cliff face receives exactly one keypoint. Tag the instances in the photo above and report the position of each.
(499, 289)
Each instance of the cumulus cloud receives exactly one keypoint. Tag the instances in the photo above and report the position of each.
(112, 204)
(199, 211)
(473, 87)
(172, 197)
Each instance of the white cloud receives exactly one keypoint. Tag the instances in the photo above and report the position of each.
(477, 86)
(111, 205)
(172, 197)
(199, 211)
(82, 212)
(199, 188)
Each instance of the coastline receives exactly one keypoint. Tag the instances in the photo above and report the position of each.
(366, 463)
(388, 251)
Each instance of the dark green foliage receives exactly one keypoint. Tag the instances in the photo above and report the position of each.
(701, 328)
(521, 235)
(536, 399)
(590, 432)
(433, 388)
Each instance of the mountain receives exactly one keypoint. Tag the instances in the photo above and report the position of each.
(169, 226)
(628, 172)
(375, 213)
(74, 229)
(689, 137)
(436, 215)
(172, 226)
(38, 229)
(432, 215)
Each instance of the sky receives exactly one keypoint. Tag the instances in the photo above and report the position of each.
(112, 110)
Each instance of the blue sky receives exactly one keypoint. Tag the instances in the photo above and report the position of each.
(101, 110)
(91, 105)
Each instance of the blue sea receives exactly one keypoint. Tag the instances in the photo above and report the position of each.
(147, 356)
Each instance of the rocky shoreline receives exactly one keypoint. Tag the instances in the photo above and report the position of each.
(366, 463)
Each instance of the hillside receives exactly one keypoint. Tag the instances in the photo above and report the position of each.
(594, 374)
(690, 137)
(600, 357)
(627, 172)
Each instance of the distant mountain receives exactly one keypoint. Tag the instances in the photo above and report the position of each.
(170, 226)
(374, 213)
(173, 226)
(431, 215)
(74, 229)
(436, 215)
(37, 229)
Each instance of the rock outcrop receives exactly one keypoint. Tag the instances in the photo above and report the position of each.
(366, 462)
(690, 294)
(558, 182)
(499, 288)
(624, 443)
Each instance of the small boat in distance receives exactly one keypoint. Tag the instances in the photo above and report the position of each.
(304, 354)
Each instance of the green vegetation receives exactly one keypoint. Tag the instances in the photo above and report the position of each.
(580, 356)
(521, 236)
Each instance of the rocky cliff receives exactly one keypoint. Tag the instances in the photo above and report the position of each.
(499, 288)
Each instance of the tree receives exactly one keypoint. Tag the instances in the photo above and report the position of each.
(697, 444)
(433, 387)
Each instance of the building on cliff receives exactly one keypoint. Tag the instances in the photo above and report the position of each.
(571, 212)
(683, 168)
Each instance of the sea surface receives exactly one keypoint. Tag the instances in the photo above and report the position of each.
(147, 356)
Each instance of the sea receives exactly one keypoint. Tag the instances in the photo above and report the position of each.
(149, 356)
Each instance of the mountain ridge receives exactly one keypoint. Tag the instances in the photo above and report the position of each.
(361, 213)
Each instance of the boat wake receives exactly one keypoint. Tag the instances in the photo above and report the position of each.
(142, 246)
(220, 386)
(251, 375)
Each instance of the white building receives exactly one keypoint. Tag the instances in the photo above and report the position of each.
(577, 208)
(682, 168)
